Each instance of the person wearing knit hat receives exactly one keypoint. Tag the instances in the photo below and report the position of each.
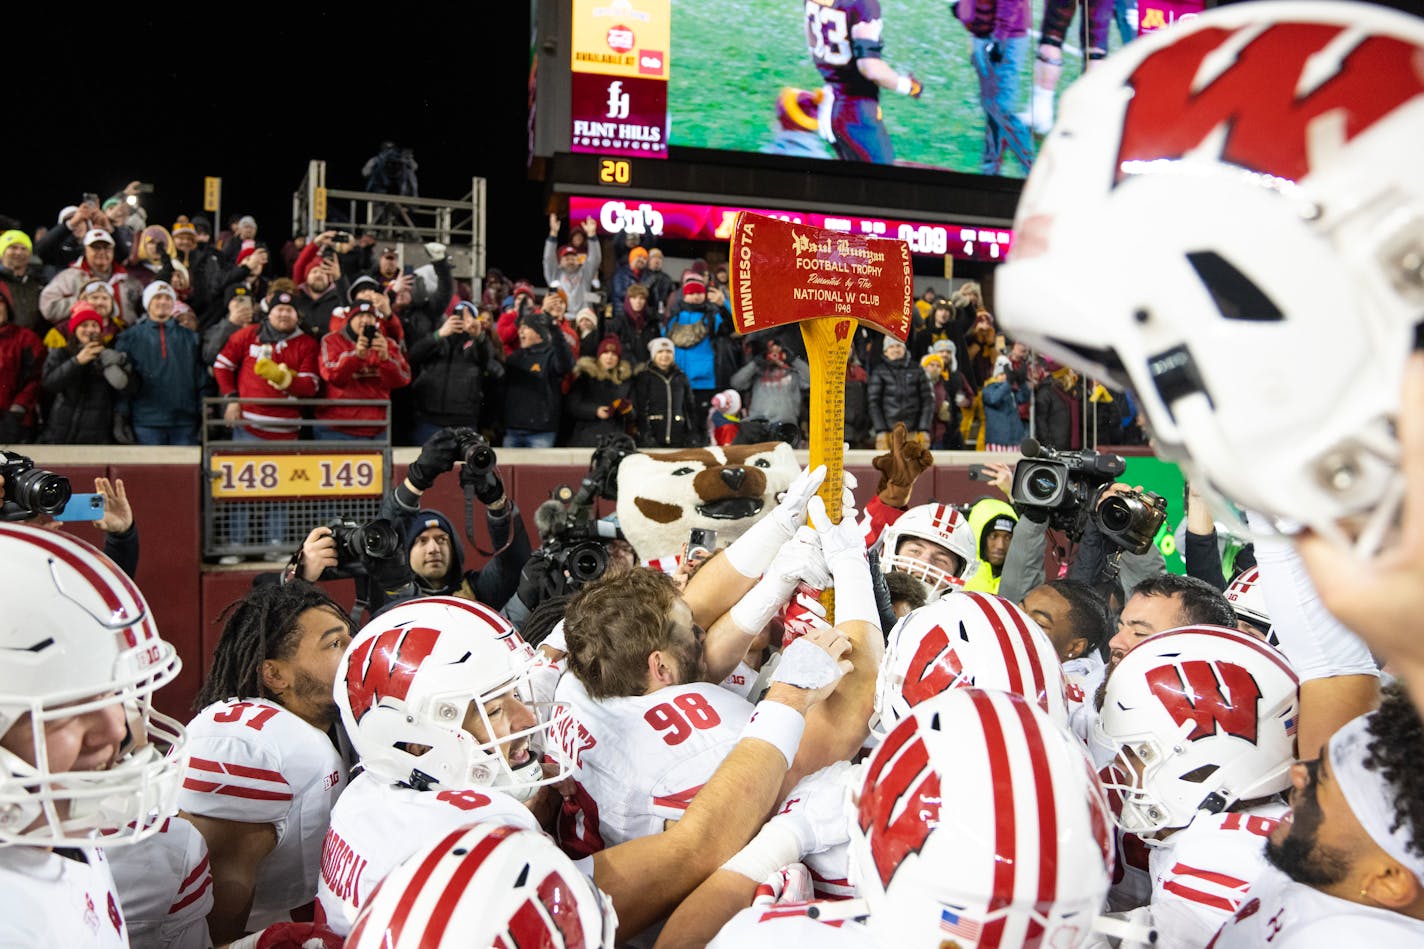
(25, 284)
(662, 400)
(660, 345)
(158, 290)
(598, 401)
(693, 283)
(85, 378)
(533, 380)
(629, 274)
(166, 359)
(898, 391)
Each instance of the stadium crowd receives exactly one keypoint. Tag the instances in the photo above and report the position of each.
(115, 329)
(968, 751)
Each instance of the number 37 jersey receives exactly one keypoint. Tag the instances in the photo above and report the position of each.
(638, 760)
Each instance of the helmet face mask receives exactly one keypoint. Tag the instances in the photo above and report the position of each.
(80, 641)
(1243, 151)
(941, 526)
(413, 680)
(1203, 717)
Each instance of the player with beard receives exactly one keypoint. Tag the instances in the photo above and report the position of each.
(1349, 859)
(267, 763)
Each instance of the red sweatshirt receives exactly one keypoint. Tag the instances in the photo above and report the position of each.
(236, 376)
(349, 376)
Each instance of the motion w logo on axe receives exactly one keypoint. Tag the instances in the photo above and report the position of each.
(827, 281)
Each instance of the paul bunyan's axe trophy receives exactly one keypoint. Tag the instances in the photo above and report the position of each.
(827, 281)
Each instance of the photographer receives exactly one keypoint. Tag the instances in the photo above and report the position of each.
(359, 362)
(453, 362)
(431, 545)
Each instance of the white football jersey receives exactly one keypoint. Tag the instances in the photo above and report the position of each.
(741, 681)
(1132, 878)
(59, 898)
(792, 924)
(165, 888)
(252, 761)
(638, 760)
(376, 825)
(1201, 873)
(1280, 913)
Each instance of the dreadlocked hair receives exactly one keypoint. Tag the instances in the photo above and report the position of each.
(1396, 746)
(260, 626)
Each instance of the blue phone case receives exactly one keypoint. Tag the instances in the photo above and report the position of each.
(82, 507)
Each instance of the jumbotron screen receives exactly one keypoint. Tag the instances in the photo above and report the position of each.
(761, 76)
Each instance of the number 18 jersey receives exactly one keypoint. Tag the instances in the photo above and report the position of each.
(638, 760)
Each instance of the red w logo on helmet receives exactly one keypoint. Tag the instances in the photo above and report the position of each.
(528, 927)
(1192, 693)
(934, 668)
(1272, 89)
(900, 804)
(383, 666)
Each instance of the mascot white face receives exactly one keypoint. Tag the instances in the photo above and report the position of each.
(662, 496)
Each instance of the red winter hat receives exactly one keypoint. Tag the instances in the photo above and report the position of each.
(567, 249)
(245, 253)
(82, 313)
(610, 344)
(693, 285)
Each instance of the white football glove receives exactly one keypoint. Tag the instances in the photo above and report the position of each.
(753, 552)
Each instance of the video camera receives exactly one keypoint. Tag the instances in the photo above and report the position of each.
(1070, 484)
(574, 540)
(372, 550)
(30, 491)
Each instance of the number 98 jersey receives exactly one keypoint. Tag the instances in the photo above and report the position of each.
(254, 762)
(638, 760)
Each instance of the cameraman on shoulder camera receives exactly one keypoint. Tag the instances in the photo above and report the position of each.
(431, 543)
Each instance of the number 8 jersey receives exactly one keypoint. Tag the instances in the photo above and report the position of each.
(255, 762)
(638, 760)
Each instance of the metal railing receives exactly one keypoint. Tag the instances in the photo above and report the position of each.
(401, 219)
(270, 502)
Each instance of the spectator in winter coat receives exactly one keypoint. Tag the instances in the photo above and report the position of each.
(365, 289)
(691, 329)
(22, 358)
(899, 392)
(1059, 411)
(23, 279)
(774, 382)
(629, 274)
(84, 377)
(599, 400)
(533, 379)
(97, 264)
(1003, 428)
(663, 403)
(660, 285)
(167, 360)
(359, 362)
(453, 364)
(563, 269)
(272, 359)
(240, 311)
(635, 325)
(507, 327)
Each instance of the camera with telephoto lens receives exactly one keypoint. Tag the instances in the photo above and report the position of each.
(1131, 519)
(371, 549)
(574, 539)
(1064, 483)
(30, 491)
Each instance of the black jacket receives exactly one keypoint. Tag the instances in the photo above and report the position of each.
(533, 380)
(900, 391)
(450, 374)
(83, 408)
(595, 386)
(663, 407)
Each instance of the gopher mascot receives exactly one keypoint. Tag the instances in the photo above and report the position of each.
(663, 495)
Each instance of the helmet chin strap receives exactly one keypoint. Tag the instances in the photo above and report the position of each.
(519, 783)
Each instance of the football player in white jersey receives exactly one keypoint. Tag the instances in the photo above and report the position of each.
(1204, 722)
(266, 766)
(166, 888)
(85, 763)
(999, 841)
(933, 543)
(1348, 861)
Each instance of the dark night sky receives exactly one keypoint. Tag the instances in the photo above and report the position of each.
(455, 90)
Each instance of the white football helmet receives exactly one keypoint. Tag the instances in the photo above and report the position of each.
(408, 679)
(76, 637)
(939, 524)
(1248, 599)
(980, 822)
(974, 640)
(1241, 187)
(1202, 717)
(486, 885)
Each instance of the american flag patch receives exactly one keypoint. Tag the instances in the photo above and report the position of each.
(957, 925)
(1290, 726)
